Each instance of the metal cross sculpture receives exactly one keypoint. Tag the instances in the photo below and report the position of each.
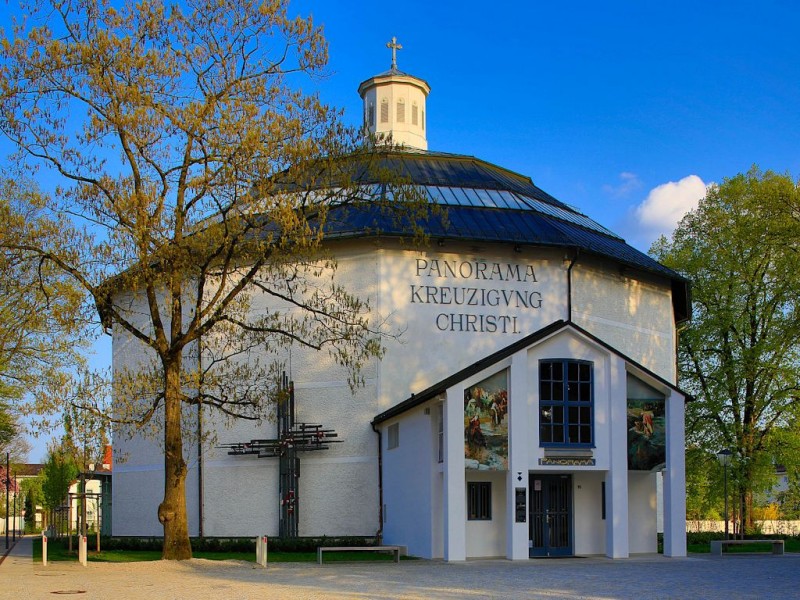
(395, 47)
(292, 438)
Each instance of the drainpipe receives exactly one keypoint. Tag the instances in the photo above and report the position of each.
(569, 284)
(379, 533)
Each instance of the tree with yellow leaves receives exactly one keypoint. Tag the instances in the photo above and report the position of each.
(198, 177)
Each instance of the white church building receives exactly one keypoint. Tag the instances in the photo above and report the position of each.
(526, 410)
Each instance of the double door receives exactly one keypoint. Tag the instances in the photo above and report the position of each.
(550, 523)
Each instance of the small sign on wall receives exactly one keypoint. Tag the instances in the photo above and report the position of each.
(520, 507)
(537, 485)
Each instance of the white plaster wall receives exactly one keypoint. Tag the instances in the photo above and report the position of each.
(426, 354)
(339, 487)
(402, 133)
(138, 453)
(660, 502)
(567, 344)
(488, 538)
(632, 315)
(241, 499)
(437, 480)
(589, 526)
(407, 476)
(642, 512)
(437, 512)
(93, 505)
(240, 493)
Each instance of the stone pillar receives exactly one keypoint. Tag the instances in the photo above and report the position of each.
(518, 426)
(675, 479)
(455, 486)
(617, 474)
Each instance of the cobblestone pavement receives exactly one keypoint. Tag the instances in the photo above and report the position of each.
(729, 577)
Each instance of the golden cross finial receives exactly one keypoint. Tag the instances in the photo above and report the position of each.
(395, 47)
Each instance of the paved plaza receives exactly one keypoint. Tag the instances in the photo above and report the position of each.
(749, 576)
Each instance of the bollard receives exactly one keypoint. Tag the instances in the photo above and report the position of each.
(44, 550)
(82, 542)
(261, 550)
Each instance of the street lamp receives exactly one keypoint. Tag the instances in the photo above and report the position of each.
(724, 458)
(16, 493)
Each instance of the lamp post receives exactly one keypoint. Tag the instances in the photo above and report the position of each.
(724, 458)
(16, 493)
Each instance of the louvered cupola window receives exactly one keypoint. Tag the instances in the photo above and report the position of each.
(423, 120)
(371, 115)
(401, 111)
(414, 119)
(384, 111)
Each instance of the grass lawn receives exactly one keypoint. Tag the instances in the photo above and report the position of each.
(56, 553)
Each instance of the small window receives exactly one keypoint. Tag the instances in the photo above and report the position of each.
(371, 115)
(423, 120)
(401, 111)
(384, 111)
(479, 501)
(414, 118)
(440, 416)
(393, 440)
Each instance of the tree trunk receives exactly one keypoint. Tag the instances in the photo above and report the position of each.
(172, 511)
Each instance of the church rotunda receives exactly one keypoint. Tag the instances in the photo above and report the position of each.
(527, 409)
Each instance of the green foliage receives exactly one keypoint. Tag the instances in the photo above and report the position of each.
(789, 499)
(86, 434)
(740, 355)
(8, 426)
(700, 542)
(704, 486)
(32, 492)
(59, 472)
(40, 319)
(180, 134)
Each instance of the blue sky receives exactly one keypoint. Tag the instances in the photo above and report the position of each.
(600, 103)
(625, 110)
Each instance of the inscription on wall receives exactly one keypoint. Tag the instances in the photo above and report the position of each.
(475, 295)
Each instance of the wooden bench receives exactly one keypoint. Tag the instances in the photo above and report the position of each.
(716, 545)
(393, 549)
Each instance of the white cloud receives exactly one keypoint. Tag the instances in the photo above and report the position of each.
(666, 205)
(629, 182)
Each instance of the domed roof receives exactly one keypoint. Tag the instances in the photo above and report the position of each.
(393, 74)
(483, 202)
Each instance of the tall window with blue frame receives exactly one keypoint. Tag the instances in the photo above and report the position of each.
(566, 403)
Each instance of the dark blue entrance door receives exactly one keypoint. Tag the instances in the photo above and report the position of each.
(550, 524)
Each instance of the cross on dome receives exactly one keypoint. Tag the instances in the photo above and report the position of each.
(395, 47)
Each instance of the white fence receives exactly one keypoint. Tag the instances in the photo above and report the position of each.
(766, 527)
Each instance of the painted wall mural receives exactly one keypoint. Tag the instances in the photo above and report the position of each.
(647, 442)
(486, 424)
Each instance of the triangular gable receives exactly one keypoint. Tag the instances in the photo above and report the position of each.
(486, 362)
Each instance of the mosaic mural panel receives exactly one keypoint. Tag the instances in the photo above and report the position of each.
(486, 423)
